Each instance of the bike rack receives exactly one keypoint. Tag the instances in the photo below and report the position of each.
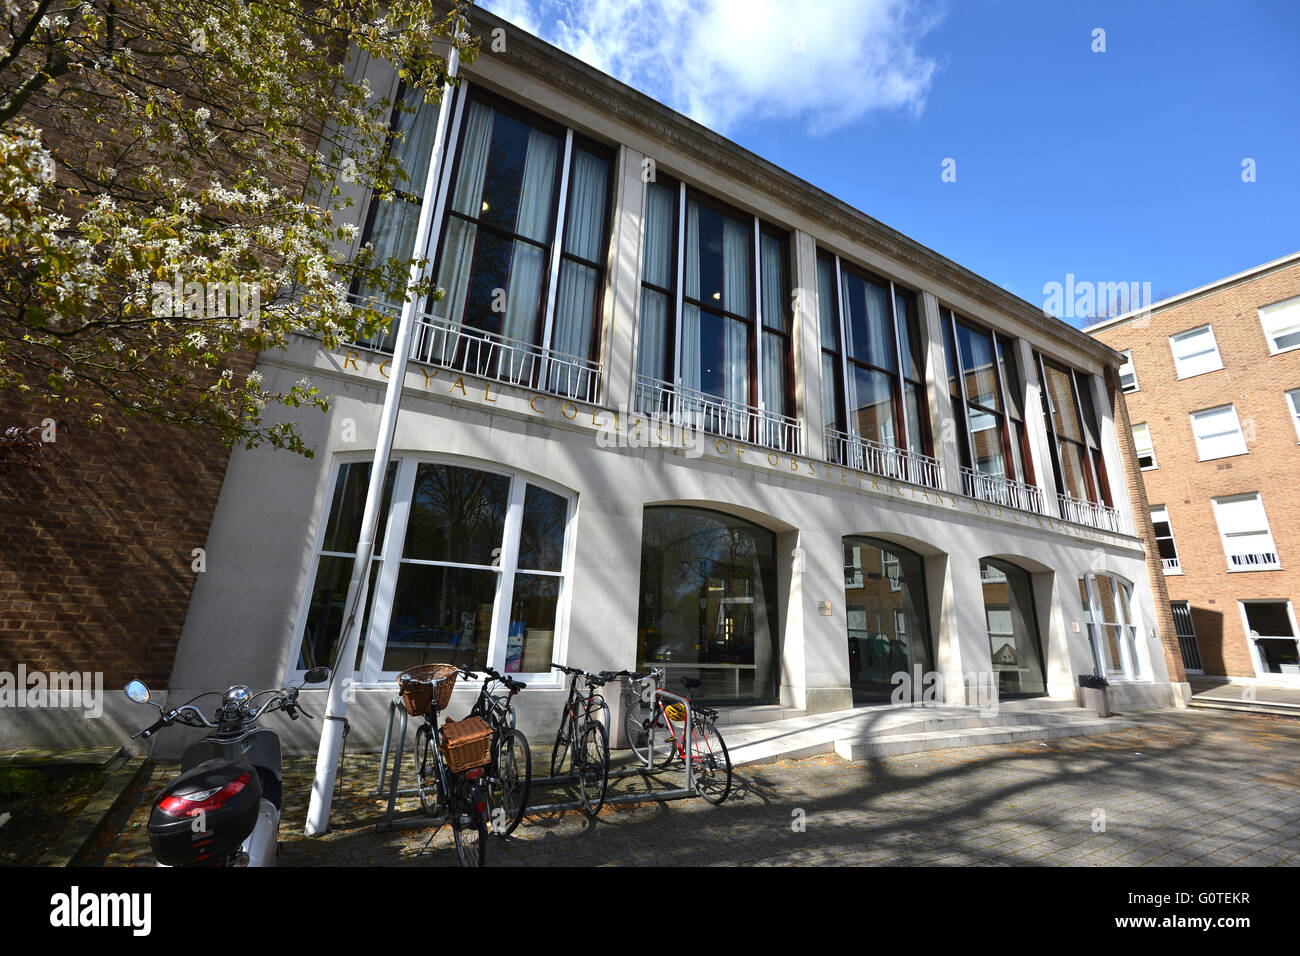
(674, 793)
(397, 715)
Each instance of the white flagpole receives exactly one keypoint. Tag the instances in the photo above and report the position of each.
(331, 737)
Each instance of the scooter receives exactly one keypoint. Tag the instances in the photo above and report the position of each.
(224, 808)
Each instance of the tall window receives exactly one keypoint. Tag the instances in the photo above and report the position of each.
(873, 371)
(1165, 540)
(986, 393)
(1112, 630)
(888, 623)
(1247, 540)
(1281, 322)
(1146, 452)
(523, 246)
(1076, 439)
(1271, 626)
(1014, 646)
(1218, 433)
(715, 310)
(470, 568)
(1195, 352)
(708, 606)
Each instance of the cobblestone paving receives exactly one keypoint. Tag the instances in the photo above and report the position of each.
(1184, 788)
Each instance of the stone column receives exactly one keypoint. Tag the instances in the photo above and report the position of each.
(1040, 450)
(943, 422)
(623, 286)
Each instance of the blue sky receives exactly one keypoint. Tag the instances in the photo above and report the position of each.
(1115, 166)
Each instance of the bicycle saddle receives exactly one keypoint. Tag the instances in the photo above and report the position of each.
(690, 682)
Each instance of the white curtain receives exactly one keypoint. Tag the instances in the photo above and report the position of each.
(652, 343)
(870, 331)
(528, 262)
(775, 309)
(735, 351)
(737, 276)
(774, 366)
(657, 256)
(691, 345)
(692, 278)
(584, 229)
(460, 237)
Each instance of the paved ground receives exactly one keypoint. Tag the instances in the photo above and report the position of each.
(1184, 788)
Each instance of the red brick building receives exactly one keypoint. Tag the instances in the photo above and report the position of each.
(1213, 393)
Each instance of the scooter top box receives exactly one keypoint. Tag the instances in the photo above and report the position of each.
(205, 813)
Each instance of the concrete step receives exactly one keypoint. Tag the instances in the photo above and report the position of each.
(1246, 706)
(757, 714)
(894, 744)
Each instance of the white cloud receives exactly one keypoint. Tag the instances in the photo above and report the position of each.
(724, 62)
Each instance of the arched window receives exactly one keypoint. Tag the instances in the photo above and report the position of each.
(888, 625)
(470, 567)
(1014, 646)
(708, 603)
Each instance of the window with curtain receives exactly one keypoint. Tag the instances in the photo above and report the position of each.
(993, 440)
(1247, 538)
(390, 226)
(1218, 433)
(470, 568)
(1072, 425)
(498, 241)
(732, 339)
(1281, 322)
(1146, 452)
(1195, 352)
(873, 369)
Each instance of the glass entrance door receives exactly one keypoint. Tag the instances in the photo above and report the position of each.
(1014, 647)
(888, 627)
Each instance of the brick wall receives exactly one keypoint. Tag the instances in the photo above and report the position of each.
(95, 551)
(1256, 383)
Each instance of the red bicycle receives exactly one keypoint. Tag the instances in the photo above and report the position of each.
(657, 733)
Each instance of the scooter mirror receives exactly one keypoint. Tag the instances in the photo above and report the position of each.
(317, 675)
(137, 692)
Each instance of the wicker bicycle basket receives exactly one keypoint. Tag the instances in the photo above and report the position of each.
(416, 687)
(466, 743)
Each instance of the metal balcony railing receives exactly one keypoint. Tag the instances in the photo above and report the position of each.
(999, 490)
(688, 408)
(1090, 513)
(463, 348)
(854, 451)
(1259, 560)
(1171, 566)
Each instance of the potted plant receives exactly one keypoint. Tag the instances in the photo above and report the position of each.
(1092, 693)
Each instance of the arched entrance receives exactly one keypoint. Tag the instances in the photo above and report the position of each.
(888, 626)
(1014, 645)
(708, 603)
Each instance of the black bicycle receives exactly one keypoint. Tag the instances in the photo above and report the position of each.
(457, 797)
(510, 773)
(583, 738)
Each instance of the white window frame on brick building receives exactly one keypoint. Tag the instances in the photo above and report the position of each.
(1195, 351)
(1293, 401)
(1160, 515)
(1143, 446)
(1128, 379)
(1281, 322)
(1214, 439)
(1247, 539)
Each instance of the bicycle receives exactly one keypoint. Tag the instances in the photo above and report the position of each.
(584, 740)
(510, 773)
(457, 797)
(652, 734)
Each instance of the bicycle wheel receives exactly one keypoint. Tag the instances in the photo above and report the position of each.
(637, 726)
(426, 773)
(710, 763)
(512, 776)
(592, 766)
(468, 823)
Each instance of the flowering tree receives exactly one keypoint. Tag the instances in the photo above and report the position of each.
(169, 198)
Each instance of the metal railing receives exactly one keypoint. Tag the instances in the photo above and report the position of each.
(854, 451)
(1170, 566)
(1000, 490)
(1262, 559)
(463, 348)
(688, 408)
(1090, 513)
